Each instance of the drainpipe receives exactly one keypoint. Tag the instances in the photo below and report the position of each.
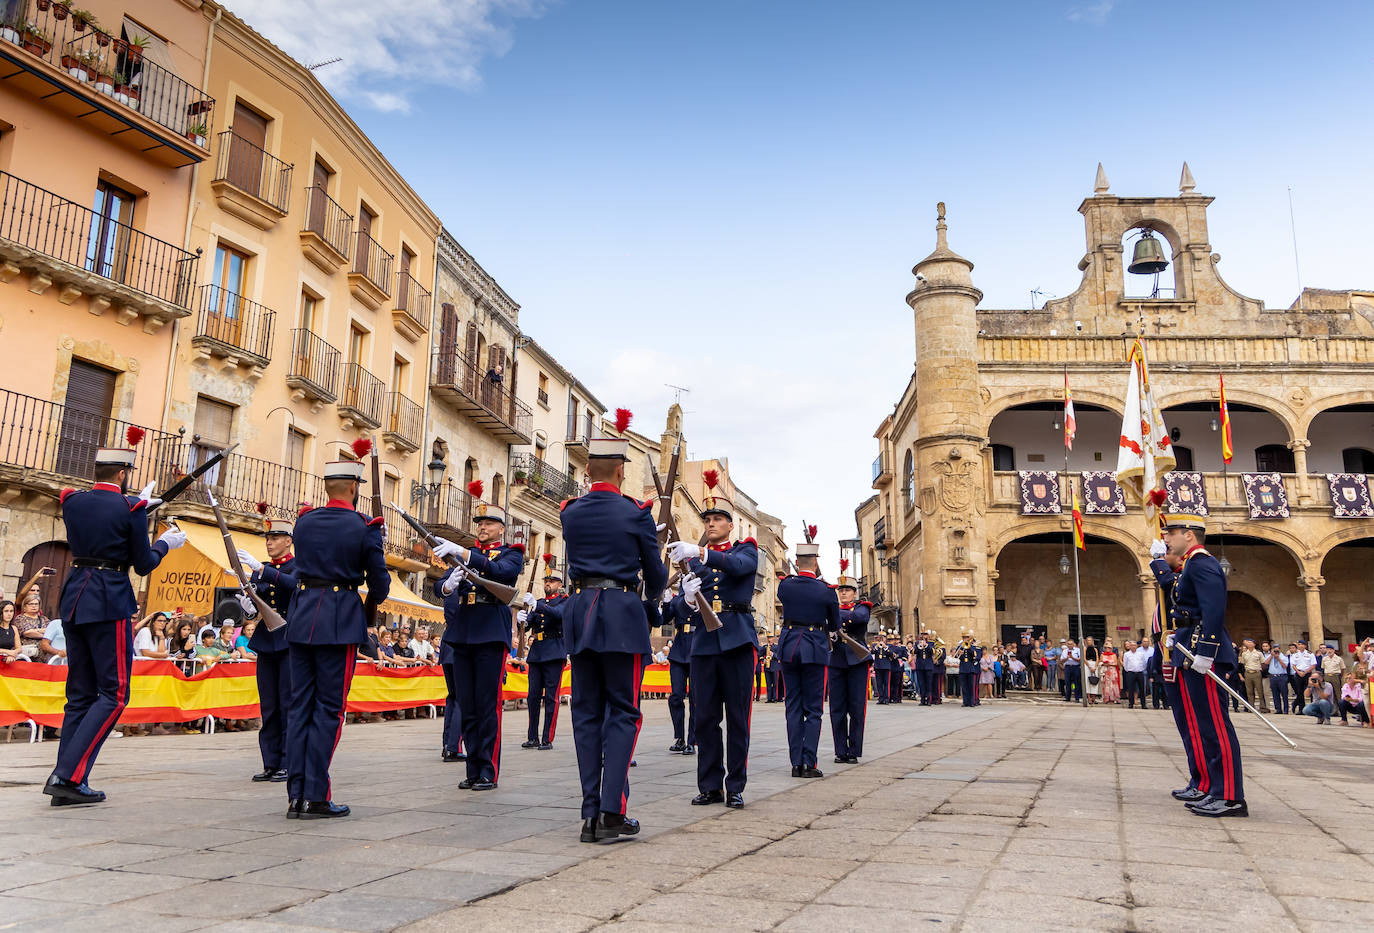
(186, 236)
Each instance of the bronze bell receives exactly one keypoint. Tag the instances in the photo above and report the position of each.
(1148, 257)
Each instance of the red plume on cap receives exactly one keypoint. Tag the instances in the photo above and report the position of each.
(710, 478)
(261, 507)
(134, 435)
(548, 559)
(475, 489)
(844, 565)
(362, 447)
(622, 419)
(304, 507)
(810, 533)
(1158, 497)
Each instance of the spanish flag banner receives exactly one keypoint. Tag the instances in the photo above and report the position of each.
(1078, 540)
(1227, 451)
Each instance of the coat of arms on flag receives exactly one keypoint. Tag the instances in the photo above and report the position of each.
(1265, 495)
(1185, 493)
(1145, 452)
(1039, 492)
(1102, 494)
(1350, 495)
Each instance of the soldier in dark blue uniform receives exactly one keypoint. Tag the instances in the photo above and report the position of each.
(722, 661)
(848, 676)
(1200, 601)
(969, 655)
(771, 667)
(108, 533)
(937, 682)
(899, 656)
(453, 718)
(546, 658)
(1164, 566)
(478, 631)
(612, 544)
(810, 612)
(338, 550)
(276, 583)
(882, 668)
(923, 668)
(686, 623)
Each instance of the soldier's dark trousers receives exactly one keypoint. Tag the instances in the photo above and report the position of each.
(918, 683)
(1173, 694)
(453, 717)
(805, 692)
(771, 679)
(274, 699)
(894, 690)
(544, 677)
(477, 672)
(930, 687)
(848, 708)
(723, 684)
(320, 677)
(680, 701)
(99, 655)
(880, 683)
(605, 720)
(968, 688)
(1214, 738)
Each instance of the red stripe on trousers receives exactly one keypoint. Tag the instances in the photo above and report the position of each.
(349, 663)
(1228, 778)
(553, 723)
(123, 658)
(500, 703)
(1204, 783)
(639, 680)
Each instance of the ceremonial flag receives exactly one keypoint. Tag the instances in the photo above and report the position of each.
(1227, 451)
(1145, 451)
(1070, 423)
(1078, 540)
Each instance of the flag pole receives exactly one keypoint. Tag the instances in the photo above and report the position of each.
(1073, 541)
(1078, 596)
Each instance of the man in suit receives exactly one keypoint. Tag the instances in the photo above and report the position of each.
(273, 661)
(810, 612)
(612, 545)
(107, 531)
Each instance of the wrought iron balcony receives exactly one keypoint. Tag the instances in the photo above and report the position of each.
(363, 396)
(240, 482)
(411, 313)
(370, 276)
(314, 372)
(231, 326)
(543, 396)
(882, 471)
(445, 509)
(580, 432)
(405, 422)
(93, 254)
(542, 479)
(327, 230)
(251, 183)
(490, 404)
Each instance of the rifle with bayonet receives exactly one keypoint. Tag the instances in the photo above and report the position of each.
(185, 482)
(861, 651)
(269, 616)
(505, 593)
(371, 609)
(665, 517)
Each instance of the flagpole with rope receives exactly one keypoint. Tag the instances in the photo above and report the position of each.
(1070, 429)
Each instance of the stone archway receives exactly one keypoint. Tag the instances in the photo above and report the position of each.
(1246, 618)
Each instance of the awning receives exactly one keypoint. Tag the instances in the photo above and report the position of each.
(187, 577)
(404, 602)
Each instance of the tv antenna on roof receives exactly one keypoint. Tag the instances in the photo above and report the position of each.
(677, 392)
(328, 61)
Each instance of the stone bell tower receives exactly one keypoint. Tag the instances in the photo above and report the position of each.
(950, 497)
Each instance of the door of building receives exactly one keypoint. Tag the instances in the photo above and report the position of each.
(246, 154)
(58, 556)
(85, 418)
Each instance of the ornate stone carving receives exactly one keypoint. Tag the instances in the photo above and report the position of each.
(957, 483)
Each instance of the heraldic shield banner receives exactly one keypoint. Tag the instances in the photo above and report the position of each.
(1350, 495)
(1186, 493)
(1102, 494)
(1039, 492)
(1265, 495)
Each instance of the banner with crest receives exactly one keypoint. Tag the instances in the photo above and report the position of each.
(1102, 494)
(1185, 493)
(1265, 495)
(1350, 495)
(1039, 492)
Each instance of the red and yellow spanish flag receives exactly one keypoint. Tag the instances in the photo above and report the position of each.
(1070, 422)
(1227, 451)
(1078, 540)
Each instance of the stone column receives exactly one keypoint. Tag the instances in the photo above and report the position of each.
(1312, 584)
(1299, 447)
(1149, 587)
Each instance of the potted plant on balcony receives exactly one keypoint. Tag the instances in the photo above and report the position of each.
(133, 49)
(35, 40)
(44, 5)
(519, 477)
(82, 18)
(10, 32)
(78, 67)
(60, 9)
(196, 133)
(104, 79)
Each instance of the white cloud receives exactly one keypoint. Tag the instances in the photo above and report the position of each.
(390, 49)
(1095, 13)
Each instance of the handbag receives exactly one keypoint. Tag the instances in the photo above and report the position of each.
(1094, 679)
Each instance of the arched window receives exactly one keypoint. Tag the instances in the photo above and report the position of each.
(1003, 457)
(1183, 458)
(1274, 458)
(909, 480)
(498, 490)
(1357, 460)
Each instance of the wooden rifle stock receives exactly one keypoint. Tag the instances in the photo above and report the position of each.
(502, 591)
(270, 617)
(665, 517)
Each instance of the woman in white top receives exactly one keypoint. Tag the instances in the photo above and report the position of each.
(151, 641)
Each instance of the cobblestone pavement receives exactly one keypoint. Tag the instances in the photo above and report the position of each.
(1012, 816)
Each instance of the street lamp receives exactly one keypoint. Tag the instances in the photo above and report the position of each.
(436, 469)
(1064, 564)
(1225, 565)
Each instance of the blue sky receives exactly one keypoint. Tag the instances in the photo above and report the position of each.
(730, 195)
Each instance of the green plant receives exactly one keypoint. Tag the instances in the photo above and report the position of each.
(93, 59)
(197, 129)
(84, 17)
(518, 476)
(138, 42)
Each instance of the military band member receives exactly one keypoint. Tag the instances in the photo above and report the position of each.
(276, 584)
(107, 532)
(722, 661)
(810, 613)
(899, 654)
(337, 551)
(612, 544)
(938, 687)
(546, 658)
(882, 668)
(1165, 568)
(848, 676)
(970, 656)
(1200, 601)
(477, 627)
(770, 669)
(686, 623)
(923, 668)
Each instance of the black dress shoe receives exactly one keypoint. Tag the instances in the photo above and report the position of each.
(264, 775)
(529, 744)
(293, 809)
(852, 759)
(841, 759)
(452, 756)
(278, 776)
(708, 797)
(323, 810)
(809, 771)
(1216, 807)
(483, 784)
(465, 784)
(690, 750)
(612, 825)
(545, 746)
(1187, 794)
(796, 771)
(71, 793)
(677, 747)
(633, 763)
(588, 833)
(735, 801)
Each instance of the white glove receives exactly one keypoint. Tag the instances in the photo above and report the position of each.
(666, 598)
(249, 561)
(147, 494)
(679, 551)
(250, 608)
(521, 616)
(1158, 549)
(529, 601)
(691, 588)
(454, 578)
(173, 537)
(1200, 664)
(660, 526)
(443, 548)
(1169, 640)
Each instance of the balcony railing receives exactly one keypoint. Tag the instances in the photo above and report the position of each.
(363, 395)
(519, 533)
(405, 421)
(880, 530)
(542, 479)
(234, 325)
(253, 171)
(327, 220)
(446, 509)
(543, 396)
(882, 471)
(239, 483)
(490, 404)
(36, 219)
(412, 301)
(314, 366)
(113, 68)
(57, 439)
(585, 430)
(373, 263)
